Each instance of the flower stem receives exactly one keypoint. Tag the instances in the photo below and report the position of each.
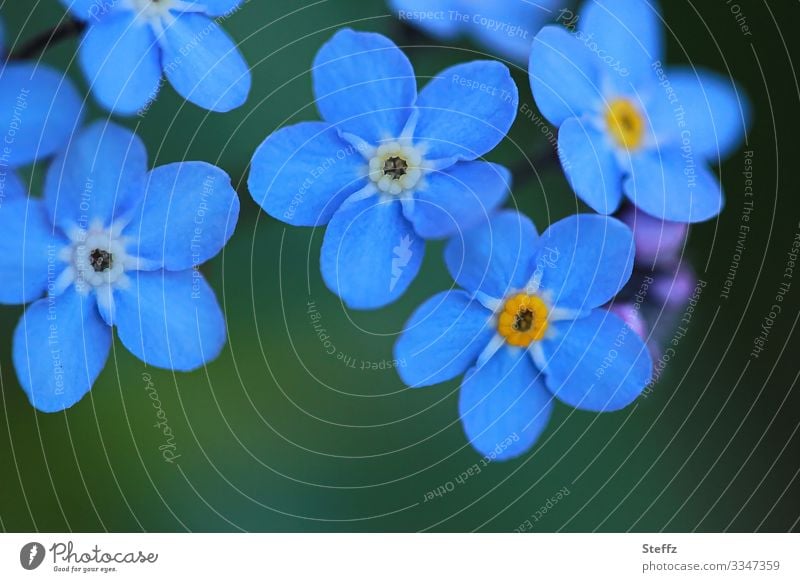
(44, 40)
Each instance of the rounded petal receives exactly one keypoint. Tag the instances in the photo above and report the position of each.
(170, 319)
(443, 338)
(60, 347)
(92, 10)
(28, 251)
(99, 177)
(466, 110)
(204, 64)
(625, 35)
(584, 260)
(714, 113)
(596, 363)
(666, 185)
(370, 253)
(504, 405)
(121, 60)
(364, 85)
(494, 257)
(590, 165)
(458, 198)
(189, 213)
(39, 110)
(563, 75)
(425, 15)
(301, 174)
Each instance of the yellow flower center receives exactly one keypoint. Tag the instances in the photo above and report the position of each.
(626, 124)
(523, 320)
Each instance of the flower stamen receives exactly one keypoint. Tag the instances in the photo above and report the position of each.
(523, 320)
(626, 123)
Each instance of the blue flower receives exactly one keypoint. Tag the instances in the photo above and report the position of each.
(528, 327)
(129, 44)
(506, 28)
(629, 124)
(388, 167)
(111, 244)
(39, 110)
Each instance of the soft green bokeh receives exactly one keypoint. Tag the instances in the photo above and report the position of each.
(278, 435)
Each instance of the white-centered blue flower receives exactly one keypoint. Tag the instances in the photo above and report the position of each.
(112, 244)
(129, 45)
(388, 168)
(628, 124)
(527, 327)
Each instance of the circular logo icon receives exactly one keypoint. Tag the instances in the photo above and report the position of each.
(31, 555)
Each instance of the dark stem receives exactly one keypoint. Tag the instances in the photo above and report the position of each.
(42, 41)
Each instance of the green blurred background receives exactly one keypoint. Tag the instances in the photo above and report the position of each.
(278, 435)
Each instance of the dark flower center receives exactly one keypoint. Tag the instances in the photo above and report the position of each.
(395, 167)
(523, 321)
(100, 260)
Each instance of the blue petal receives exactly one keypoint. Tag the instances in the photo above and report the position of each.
(39, 110)
(466, 110)
(504, 405)
(668, 186)
(429, 15)
(584, 260)
(28, 250)
(91, 10)
(494, 257)
(189, 213)
(443, 338)
(121, 60)
(370, 253)
(301, 174)
(626, 36)
(364, 85)
(100, 177)
(597, 363)
(563, 75)
(218, 7)
(204, 64)
(11, 187)
(458, 198)
(507, 29)
(715, 113)
(590, 165)
(60, 347)
(170, 319)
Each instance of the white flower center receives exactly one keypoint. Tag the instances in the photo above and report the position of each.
(396, 169)
(153, 9)
(97, 257)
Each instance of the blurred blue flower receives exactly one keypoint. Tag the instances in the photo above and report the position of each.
(506, 28)
(388, 167)
(527, 327)
(629, 124)
(129, 44)
(39, 110)
(113, 245)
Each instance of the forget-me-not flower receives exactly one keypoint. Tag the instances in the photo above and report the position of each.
(506, 28)
(130, 44)
(528, 326)
(627, 123)
(388, 168)
(112, 244)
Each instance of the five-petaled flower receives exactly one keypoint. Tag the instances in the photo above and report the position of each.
(627, 123)
(506, 28)
(113, 245)
(130, 44)
(388, 167)
(528, 327)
